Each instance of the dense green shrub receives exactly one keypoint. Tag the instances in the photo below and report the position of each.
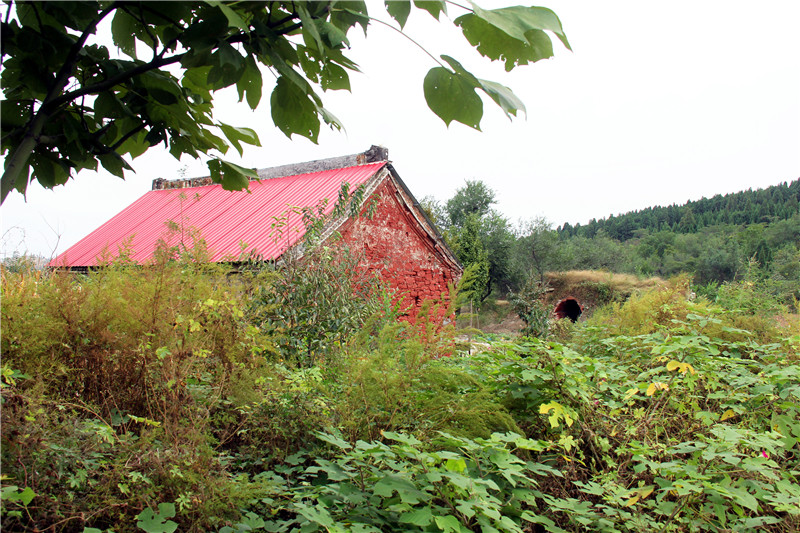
(395, 383)
(316, 302)
(122, 369)
(532, 309)
(404, 484)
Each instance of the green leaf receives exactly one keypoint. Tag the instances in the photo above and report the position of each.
(107, 105)
(311, 36)
(234, 19)
(49, 170)
(332, 36)
(401, 437)
(418, 517)
(408, 493)
(235, 135)
(449, 523)
(159, 522)
(334, 78)
(14, 113)
(12, 493)
(514, 34)
(43, 171)
(123, 32)
(334, 440)
(250, 83)
(456, 465)
(399, 10)
(232, 177)
(517, 21)
(743, 497)
(434, 7)
(348, 13)
(452, 97)
(114, 164)
(502, 95)
(135, 145)
(293, 112)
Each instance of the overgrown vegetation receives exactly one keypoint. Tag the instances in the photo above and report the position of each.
(176, 396)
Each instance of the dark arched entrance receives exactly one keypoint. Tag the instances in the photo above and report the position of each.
(568, 308)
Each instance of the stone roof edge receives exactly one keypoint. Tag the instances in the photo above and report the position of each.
(374, 154)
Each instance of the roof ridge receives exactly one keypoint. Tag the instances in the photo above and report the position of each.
(374, 154)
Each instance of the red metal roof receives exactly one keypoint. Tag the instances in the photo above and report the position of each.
(230, 222)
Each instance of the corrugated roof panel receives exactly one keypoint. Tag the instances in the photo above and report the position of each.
(224, 218)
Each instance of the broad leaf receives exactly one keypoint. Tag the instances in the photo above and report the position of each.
(449, 523)
(434, 7)
(514, 35)
(407, 491)
(452, 97)
(123, 32)
(334, 77)
(232, 177)
(234, 19)
(502, 95)
(250, 83)
(418, 517)
(159, 522)
(235, 135)
(114, 163)
(293, 111)
(517, 21)
(399, 10)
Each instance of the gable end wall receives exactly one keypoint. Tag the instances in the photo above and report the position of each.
(393, 244)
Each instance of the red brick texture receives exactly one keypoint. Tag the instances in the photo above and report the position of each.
(395, 244)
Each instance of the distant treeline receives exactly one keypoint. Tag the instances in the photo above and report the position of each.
(779, 202)
(716, 240)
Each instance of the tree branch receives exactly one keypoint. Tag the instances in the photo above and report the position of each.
(115, 80)
(134, 131)
(18, 160)
(401, 32)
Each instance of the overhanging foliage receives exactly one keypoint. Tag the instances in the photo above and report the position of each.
(72, 103)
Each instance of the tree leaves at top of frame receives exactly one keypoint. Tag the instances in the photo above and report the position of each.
(515, 35)
(71, 104)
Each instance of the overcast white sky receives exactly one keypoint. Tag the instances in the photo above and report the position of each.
(658, 103)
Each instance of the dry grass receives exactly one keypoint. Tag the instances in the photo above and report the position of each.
(622, 282)
(594, 288)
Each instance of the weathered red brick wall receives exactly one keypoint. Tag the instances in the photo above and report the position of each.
(392, 243)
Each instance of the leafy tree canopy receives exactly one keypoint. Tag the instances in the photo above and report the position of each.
(72, 103)
(474, 198)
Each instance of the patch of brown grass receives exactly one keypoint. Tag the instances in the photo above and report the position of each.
(593, 288)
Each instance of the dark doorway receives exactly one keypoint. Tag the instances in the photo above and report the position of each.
(568, 308)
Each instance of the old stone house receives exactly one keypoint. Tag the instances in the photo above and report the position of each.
(391, 233)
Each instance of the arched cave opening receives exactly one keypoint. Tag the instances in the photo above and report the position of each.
(568, 308)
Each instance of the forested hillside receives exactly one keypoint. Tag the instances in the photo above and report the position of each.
(779, 202)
